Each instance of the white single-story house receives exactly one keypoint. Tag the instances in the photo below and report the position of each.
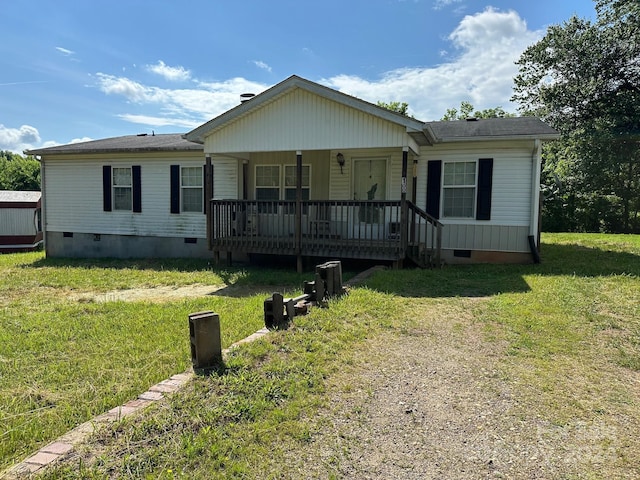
(20, 225)
(302, 170)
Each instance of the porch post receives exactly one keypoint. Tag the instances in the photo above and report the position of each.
(208, 194)
(414, 188)
(298, 235)
(403, 204)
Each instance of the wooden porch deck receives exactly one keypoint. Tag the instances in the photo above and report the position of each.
(348, 229)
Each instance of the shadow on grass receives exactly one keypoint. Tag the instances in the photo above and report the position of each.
(233, 276)
(488, 280)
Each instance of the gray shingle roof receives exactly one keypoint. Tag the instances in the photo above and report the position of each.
(489, 129)
(128, 143)
(19, 196)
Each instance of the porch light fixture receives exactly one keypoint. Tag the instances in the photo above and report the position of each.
(340, 159)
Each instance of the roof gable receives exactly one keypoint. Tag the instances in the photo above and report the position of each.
(297, 83)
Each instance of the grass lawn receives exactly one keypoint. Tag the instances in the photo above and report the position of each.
(65, 357)
(568, 333)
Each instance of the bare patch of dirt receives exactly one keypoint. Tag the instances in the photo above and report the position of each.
(169, 293)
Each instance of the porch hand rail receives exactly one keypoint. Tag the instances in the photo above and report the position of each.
(425, 231)
(340, 228)
(371, 229)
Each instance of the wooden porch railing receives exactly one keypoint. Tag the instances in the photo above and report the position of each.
(424, 244)
(368, 229)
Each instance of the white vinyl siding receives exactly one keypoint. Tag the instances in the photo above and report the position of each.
(508, 228)
(297, 121)
(225, 178)
(74, 197)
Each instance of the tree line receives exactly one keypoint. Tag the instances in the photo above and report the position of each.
(18, 172)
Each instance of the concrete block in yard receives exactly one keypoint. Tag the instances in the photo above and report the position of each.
(206, 345)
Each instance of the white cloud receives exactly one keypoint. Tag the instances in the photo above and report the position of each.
(479, 67)
(186, 107)
(159, 121)
(262, 65)
(81, 140)
(440, 4)
(174, 74)
(18, 139)
(488, 44)
(65, 51)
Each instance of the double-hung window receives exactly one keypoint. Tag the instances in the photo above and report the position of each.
(191, 189)
(459, 189)
(122, 188)
(268, 186)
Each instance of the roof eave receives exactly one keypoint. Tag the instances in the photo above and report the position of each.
(488, 138)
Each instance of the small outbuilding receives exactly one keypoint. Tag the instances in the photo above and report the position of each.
(20, 221)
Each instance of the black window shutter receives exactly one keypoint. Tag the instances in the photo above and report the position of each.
(106, 188)
(434, 174)
(175, 188)
(485, 180)
(137, 188)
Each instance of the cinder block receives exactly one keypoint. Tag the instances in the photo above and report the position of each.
(206, 345)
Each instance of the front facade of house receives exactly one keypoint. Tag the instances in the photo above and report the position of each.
(303, 170)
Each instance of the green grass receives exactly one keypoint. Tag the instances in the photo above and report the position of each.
(567, 331)
(62, 361)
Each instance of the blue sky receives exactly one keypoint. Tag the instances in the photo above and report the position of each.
(74, 70)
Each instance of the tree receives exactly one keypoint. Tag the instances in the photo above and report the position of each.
(467, 111)
(583, 78)
(18, 172)
(398, 107)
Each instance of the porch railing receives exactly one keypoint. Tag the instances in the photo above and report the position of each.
(342, 228)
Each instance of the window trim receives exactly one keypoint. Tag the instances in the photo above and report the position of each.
(282, 177)
(191, 187)
(444, 188)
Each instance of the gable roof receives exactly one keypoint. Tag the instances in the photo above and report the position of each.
(412, 125)
(129, 143)
(510, 128)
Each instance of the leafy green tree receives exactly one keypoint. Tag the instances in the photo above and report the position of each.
(398, 107)
(18, 172)
(467, 111)
(583, 78)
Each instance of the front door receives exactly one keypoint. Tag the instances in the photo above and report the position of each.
(369, 179)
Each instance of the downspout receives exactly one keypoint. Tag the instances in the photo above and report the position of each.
(536, 164)
(43, 206)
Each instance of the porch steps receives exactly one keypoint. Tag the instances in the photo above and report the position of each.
(422, 256)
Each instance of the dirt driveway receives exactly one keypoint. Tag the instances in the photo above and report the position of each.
(434, 404)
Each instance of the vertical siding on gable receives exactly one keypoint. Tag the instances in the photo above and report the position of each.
(74, 197)
(300, 120)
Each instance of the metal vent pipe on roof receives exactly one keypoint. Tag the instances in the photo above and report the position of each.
(245, 97)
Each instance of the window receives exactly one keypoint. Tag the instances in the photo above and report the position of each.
(191, 189)
(122, 189)
(267, 186)
(459, 189)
